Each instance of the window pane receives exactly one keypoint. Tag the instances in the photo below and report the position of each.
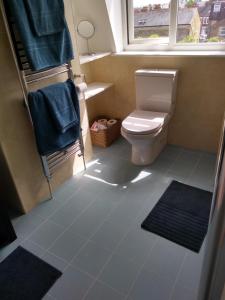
(151, 19)
(201, 21)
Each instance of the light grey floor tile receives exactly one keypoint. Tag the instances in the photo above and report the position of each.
(88, 222)
(67, 190)
(191, 271)
(7, 250)
(55, 261)
(121, 217)
(108, 203)
(137, 245)
(67, 214)
(33, 248)
(47, 297)
(73, 284)
(26, 224)
(47, 208)
(120, 274)
(107, 174)
(46, 234)
(171, 152)
(91, 258)
(67, 246)
(151, 286)
(192, 156)
(165, 259)
(162, 163)
(109, 235)
(102, 292)
(181, 292)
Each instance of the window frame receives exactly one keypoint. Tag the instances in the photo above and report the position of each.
(221, 29)
(158, 44)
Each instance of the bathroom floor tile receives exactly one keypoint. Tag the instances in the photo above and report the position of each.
(92, 232)
(67, 246)
(109, 235)
(91, 258)
(73, 284)
(120, 274)
(26, 224)
(46, 234)
(88, 222)
(55, 261)
(151, 286)
(33, 248)
(137, 245)
(181, 292)
(102, 292)
(165, 259)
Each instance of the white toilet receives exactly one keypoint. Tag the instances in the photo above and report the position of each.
(146, 127)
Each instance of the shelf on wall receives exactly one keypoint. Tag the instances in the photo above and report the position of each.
(96, 88)
(88, 58)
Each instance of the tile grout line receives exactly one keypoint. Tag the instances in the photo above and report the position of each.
(47, 220)
(185, 178)
(106, 263)
(172, 164)
(83, 237)
(141, 269)
(195, 167)
(178, 275)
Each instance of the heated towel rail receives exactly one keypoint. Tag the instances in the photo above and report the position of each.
(28, 77)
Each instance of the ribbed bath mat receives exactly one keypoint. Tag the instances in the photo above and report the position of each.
(181, 215)
(23, 276)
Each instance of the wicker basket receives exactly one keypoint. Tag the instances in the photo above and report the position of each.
(106, 137)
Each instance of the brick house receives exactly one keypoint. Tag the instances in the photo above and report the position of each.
(156, 22)
(217, 20)
(204, 13)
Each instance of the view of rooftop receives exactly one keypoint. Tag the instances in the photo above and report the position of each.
(198, 21)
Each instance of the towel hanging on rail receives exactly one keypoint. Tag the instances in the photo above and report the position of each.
(46, 121)
(45, 16)
(61, 108)
(43, 50)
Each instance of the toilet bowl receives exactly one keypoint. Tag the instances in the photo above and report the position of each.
(146, 128)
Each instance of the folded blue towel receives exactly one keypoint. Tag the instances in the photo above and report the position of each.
(60, 104)
(46, 16)
(49, 139)
(42, 51)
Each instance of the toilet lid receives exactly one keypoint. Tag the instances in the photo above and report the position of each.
(144, 122)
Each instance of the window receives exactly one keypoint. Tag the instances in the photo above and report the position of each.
(222, 31)
(217, 7)
(175, 24)
(205, 20)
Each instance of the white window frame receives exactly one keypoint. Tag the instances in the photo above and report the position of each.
(205, 20)
(217, 7)
(221, 31)
(158, 44)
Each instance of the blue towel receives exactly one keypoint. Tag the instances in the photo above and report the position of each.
(60, 105)
(46, 16)
(42, 51)
(49, 139)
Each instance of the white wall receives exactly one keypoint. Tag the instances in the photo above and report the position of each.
(96, 12)
(114, 8)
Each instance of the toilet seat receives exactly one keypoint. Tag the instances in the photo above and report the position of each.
(141, 122)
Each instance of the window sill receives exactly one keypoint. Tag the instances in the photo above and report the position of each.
(171, 53)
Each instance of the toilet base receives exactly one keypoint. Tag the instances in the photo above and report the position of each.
(146, 154)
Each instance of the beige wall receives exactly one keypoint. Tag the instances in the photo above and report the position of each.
(21, 176)
(200, 95)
